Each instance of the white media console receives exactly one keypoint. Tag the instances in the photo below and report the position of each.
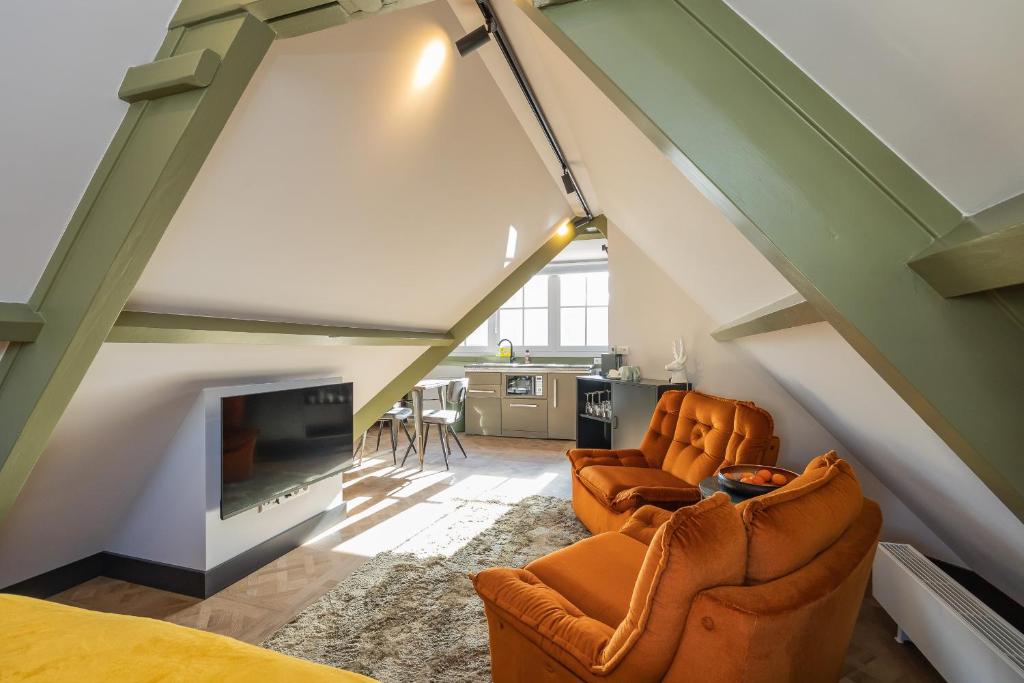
(175, 520)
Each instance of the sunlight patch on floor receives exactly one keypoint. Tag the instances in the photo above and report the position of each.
(460, 525)
(393, 531)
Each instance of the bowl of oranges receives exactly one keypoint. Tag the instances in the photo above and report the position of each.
(754, 480)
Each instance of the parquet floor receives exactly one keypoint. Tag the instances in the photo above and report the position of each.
(390, 507)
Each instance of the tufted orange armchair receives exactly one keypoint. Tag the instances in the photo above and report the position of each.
(764, 592)
(690, 437)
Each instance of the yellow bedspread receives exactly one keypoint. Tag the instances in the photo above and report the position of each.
(44, 641)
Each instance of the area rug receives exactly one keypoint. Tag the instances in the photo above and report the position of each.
(406, 617)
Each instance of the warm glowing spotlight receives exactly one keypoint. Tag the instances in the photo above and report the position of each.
(431, 61)
(563, 229)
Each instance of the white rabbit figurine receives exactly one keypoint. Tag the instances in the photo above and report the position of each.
(678, 366)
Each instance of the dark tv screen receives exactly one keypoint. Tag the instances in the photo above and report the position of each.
(277, 442)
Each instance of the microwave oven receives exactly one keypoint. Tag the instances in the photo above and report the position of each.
(524, 386)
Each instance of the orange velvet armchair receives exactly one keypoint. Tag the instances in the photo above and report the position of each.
(767, 591)
(690, 437)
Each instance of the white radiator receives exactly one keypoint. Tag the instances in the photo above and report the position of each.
(962, 638)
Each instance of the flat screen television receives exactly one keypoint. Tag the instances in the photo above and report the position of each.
(277, 442)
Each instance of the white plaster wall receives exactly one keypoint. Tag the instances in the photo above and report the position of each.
(63, 63)
(707, 258)
(166, 521)
(933, 79)
(648, 310)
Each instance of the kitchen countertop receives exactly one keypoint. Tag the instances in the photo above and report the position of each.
(574, 368)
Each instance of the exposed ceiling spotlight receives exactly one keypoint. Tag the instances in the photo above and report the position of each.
(473, 41)
(567, 183)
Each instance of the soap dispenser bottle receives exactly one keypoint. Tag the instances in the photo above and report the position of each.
(526, 357)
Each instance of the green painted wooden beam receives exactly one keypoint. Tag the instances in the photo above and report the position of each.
(474, 318)
(140, 182)
(984, 252)
(136, 327)
(309, 21)
(598, 225)
(19, 323)
(791, 311)
(170, 76)
(192, 12)
(977, 265)
(829, 205)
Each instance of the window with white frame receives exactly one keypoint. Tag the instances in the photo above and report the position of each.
(523, 319)
(563, 309)
(584, 309)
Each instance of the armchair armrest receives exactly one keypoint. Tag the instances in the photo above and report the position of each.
(626, 457)
(645, 522)
(544, 616)
(656, 495)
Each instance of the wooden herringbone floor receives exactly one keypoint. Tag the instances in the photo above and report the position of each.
(390, 507)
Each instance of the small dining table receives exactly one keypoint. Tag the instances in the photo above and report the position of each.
(417, 410)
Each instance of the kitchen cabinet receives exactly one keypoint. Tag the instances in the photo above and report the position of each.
(483, 403)
(524, 417)
(561, 406)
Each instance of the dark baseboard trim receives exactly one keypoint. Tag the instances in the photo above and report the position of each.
(59, 579)
(186, 581)
(166, 577)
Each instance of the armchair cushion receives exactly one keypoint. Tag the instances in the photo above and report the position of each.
(712, 432)
(625, 488)
(645, 522)
(542, 615)
(587, 457)
(789, 527)
(604, 594)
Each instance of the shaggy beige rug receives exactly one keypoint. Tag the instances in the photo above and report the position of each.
(404, 617)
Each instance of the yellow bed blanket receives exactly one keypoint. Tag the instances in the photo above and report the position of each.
(45, 641)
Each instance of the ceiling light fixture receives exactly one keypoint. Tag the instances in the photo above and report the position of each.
(473, 41)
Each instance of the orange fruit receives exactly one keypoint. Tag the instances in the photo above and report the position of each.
(765, 474)
(748, 479)
(779, 479)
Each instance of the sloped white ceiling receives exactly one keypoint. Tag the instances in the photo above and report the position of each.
(705, 255)
(340, 191)
(63, 62)
(938, 81)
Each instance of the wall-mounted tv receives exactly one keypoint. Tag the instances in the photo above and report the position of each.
(276, 442)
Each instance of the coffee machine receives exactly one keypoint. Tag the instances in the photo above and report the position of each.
(610, 361)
